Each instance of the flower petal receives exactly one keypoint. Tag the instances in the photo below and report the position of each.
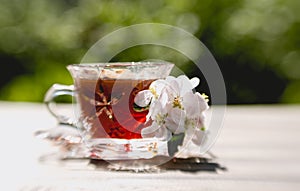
(201, 102)
(175, 120)
(143, 98)
(197, 135)
(184, 84)
(150, 131)
(192, 142)
(174, 89)
(157, 131)
(195, 82)
(164, 98)
(158, 86)
(200, 121)
(155, 109)
(191, 105)
(163, 133)
(170, 78)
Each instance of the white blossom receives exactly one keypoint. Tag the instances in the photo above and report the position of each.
(174, 108)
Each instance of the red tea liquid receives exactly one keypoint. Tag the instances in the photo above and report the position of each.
(108, 106)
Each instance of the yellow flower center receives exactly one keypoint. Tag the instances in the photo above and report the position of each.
(177, 102)
(153, 91)
(205, 97)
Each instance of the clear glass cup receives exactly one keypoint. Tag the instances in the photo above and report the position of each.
(109, 122)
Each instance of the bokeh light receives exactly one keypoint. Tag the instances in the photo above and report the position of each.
(256, 42)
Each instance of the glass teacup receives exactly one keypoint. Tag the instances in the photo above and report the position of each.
(105, 112)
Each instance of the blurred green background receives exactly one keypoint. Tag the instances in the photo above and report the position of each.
(255, 42)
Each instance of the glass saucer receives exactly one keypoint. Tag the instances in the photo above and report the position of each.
(120, 154)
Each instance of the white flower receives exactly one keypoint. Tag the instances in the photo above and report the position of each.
(190, 146)
(162, 89)
(173, 108)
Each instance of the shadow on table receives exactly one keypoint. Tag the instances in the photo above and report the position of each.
(156, 164)
(192, 165)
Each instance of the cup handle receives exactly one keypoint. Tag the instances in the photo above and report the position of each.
(54, 91)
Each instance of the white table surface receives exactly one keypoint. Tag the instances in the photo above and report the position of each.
(259, 146)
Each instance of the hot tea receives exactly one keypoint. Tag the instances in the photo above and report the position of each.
(104, 94)
(107, 105)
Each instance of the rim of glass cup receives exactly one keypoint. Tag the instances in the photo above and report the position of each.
(121, 64)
